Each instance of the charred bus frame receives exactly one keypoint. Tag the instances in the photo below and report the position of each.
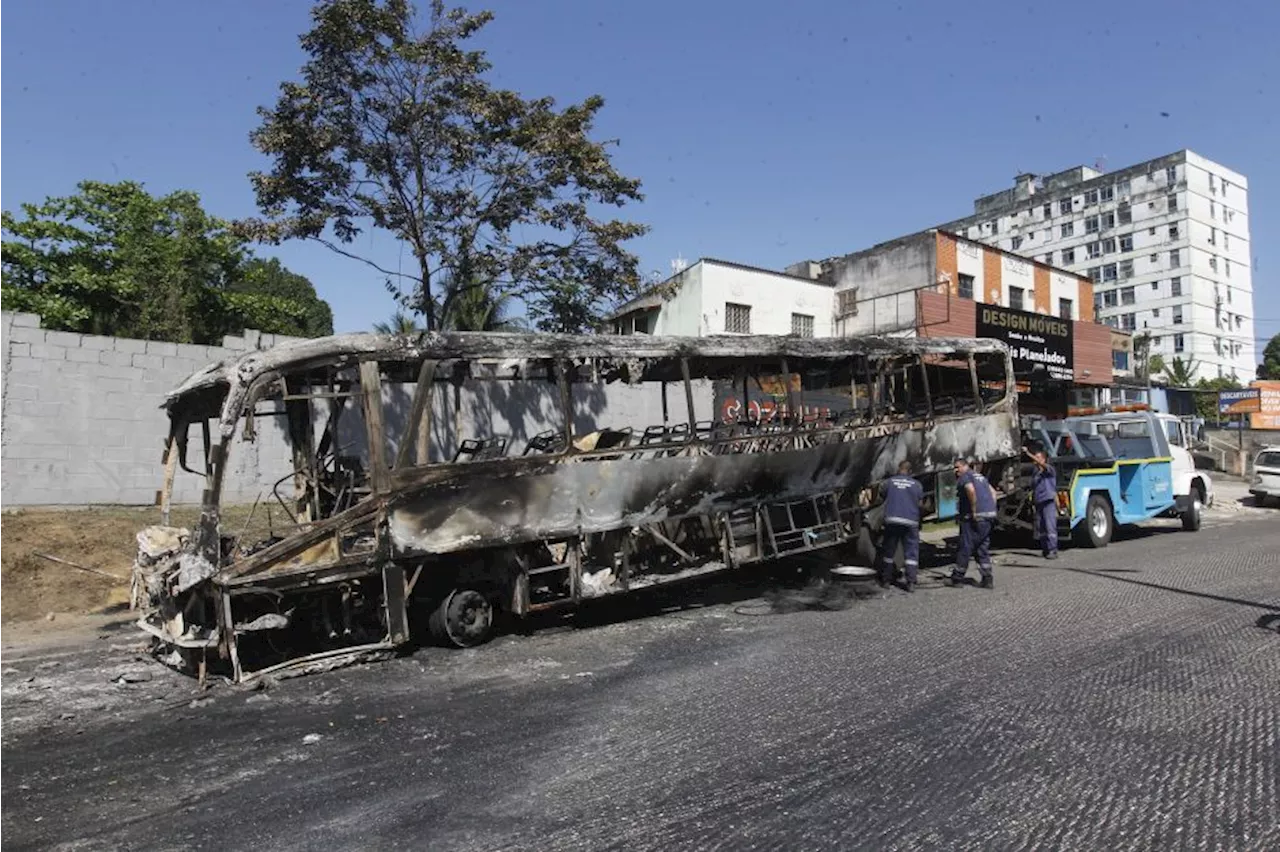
(459, 536)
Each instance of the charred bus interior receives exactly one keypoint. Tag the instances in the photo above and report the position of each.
(435, 485)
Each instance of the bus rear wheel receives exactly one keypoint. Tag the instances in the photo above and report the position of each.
(464, 619)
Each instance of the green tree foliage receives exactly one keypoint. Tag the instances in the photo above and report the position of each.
(1270, 366)
(1181, 373)
(1207, 403)
(113, 259)
(476, 307)
(272, 287)
(394, 126)
(400, 323)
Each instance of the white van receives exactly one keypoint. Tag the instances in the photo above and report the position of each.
(1266, 475)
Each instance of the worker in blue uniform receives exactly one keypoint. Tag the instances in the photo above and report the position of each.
(977, 504)
(903, 495)
(1044, 496)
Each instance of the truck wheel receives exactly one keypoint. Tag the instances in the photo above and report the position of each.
(1098, 524)
(463, 619)
(1191, 517)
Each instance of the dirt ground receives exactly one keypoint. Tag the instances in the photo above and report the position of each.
(32, 587)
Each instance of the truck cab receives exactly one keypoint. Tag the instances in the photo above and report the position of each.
(1187, 481)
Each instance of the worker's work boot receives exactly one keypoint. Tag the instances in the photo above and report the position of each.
(988, 582)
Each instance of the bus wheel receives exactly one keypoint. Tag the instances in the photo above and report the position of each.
(463, 619)
(1098, 524)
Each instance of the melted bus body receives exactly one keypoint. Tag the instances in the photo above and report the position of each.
(437, 481)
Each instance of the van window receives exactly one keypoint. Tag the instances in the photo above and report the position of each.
(1268, 459)
(1174, 433)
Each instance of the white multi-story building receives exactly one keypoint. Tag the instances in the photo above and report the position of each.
(1166, 243)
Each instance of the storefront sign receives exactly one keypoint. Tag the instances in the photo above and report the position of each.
(1034, 340)
(1268, 416)
(1247, 401)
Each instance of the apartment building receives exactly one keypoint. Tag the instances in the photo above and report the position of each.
(1165, 243)
(940, 284)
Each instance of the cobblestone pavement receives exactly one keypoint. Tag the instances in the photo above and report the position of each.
(1116, 699)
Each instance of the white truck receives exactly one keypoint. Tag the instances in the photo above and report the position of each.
(1187, 481)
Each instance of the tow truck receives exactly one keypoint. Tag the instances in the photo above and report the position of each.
(1114, 468)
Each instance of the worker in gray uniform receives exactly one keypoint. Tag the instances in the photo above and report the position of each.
(1044, 494)
(977, 501)
(903, 495)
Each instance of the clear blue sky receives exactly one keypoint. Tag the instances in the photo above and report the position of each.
(764, 132)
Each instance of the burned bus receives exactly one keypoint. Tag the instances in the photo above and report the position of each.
(437, 482)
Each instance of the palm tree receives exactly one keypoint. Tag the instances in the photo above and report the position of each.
(476, 308)
(1181, 374)
(400, 323)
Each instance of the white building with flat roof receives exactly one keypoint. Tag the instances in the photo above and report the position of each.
(1166, 243)
(718, 297)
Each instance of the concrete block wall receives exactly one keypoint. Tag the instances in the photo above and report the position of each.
(81, 420)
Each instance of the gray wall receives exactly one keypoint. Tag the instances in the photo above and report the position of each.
(887, 278)
(82, 422)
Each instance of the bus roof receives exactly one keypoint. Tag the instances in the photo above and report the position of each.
(350, 348)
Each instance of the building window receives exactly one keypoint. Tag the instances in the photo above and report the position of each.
(1090, 224)
(1128, 322)
(1175, 286)
(1177, 314)
(1109, 299)
(1127, 296)
(1119, 359)
(1095, 274)
(1048, 258)
(1126, 269)
(1155, 285)
(1171, 174)
(1239, 321)
(1173, 203)
(1015, 298)
(802, 325)
(1226, 240)
(1108, 220)
(1064, 206)
(1179, 343)
(1155, 258)
(1109, 245)
(1228, 295)
(1097, 302)
(1213, 186)
(1175, 259)
(1107, 193)
(1151, 232)
(1125, 214)
(1213, 264)
(1173, 231)
(847, 302)
(1109, 272)
(1111, 322)
(1213, 236)
(1226, 266)
(1213, 210)
(1126, 242)
(1155, 313)
(737, 318)
(965, 290)
(1122, 188)
(1068, 256)
(1016, 243)
(1091, 198)
(1067, 229)
(1092, 250)
(1065, 309)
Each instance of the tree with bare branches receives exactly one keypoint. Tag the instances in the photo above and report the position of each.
(395, 127)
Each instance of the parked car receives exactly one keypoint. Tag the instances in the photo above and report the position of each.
(1266, 475)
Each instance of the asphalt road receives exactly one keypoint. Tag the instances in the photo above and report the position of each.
(1124, 698)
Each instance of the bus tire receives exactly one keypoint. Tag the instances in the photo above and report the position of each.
(464, 619)
(1099, 523)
